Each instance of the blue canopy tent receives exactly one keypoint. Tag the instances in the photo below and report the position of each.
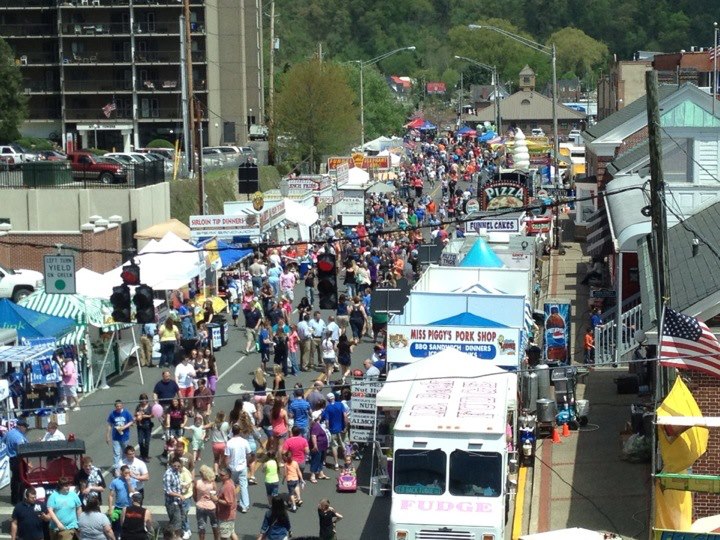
(468, 319)
(427, 126)
(466, 130)
(481, 256)
(488, 135)
(33, 324)
(230, 254)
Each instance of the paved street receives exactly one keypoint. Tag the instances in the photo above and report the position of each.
(234, 367)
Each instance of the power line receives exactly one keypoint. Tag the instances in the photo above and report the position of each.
(371, 235)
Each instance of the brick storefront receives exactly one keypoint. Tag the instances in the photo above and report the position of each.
(99, 247)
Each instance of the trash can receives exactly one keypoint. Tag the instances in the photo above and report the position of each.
(224, 328)
(304, 267)
(45, 174)
(214, 336)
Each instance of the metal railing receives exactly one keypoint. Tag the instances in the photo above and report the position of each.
(60, 175)
(606, 336)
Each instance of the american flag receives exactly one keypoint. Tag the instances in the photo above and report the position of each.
(714, 52)
(107, 109)
(688, 343)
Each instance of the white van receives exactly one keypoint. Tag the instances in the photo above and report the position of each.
(450, 459)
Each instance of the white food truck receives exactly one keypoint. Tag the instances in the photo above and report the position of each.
(450, 459)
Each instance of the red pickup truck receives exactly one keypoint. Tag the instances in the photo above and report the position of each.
(87, 166)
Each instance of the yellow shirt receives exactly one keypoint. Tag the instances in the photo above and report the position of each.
(168, 335)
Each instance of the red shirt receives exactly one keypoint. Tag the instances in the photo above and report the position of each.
(227, 512)
(296, 445)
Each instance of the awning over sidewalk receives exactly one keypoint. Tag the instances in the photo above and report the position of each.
(599, 241)
(627, 223)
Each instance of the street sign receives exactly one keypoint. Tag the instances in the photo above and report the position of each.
(603, 293)
(59, 274)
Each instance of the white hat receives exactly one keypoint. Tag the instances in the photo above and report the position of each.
(330, 396)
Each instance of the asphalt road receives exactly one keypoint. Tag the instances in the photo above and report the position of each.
(365, 517)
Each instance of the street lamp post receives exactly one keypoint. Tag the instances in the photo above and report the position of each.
(550, 51)
(362, 64)
(493, 71)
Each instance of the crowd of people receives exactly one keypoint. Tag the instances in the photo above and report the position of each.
(290, 434)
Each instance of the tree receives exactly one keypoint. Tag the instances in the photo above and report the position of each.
(315, 106)
(384, 115)
(13, 102)
(577, 52)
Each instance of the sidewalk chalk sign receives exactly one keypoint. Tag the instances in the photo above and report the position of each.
(557, 331)
(4, 465)
(59, 274)
(362, 410)
(408, 343)
(224, 226)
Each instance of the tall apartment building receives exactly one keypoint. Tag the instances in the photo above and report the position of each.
(79, 56)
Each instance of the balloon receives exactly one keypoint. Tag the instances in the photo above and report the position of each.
(157, 410)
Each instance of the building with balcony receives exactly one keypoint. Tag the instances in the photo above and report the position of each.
(111, 68)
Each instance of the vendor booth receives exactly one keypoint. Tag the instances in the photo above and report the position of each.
(498, 229)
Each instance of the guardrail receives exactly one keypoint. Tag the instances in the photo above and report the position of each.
(606, 336)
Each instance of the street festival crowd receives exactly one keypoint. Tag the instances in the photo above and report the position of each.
(280, 433)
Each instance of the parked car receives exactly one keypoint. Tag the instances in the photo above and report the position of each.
(258, 133)
(537, 132)
(167, 153)
(17, 284)
(136, 157)
(13, 156)
(51, 155)
(86, 166)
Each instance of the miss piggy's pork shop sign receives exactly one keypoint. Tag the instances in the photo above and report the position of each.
(499, 346)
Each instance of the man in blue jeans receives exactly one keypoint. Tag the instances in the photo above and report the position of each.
(119, 422)
(337, 421)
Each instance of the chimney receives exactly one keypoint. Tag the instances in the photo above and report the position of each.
(93, 219)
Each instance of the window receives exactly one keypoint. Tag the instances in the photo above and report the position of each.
(675, 162)
(526, 79)
(420, 472)
(475, 474)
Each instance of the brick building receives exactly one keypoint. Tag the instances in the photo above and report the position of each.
(98, 243)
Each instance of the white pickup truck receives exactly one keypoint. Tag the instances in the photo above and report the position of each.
(17, 284)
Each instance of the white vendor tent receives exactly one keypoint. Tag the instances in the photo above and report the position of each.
(300, 214)
(93, 284)
(357, 177)
(445, 364)
(166, 264)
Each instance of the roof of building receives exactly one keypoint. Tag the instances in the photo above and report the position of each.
(626, 113)
(693, 278)
(637, 154)
(528, 105)
(527, 70)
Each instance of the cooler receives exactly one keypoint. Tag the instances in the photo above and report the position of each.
(215, 335)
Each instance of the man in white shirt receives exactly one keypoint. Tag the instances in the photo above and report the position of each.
(334, 329)
(250, 408)
(237, 450)
(317, 327)
(138, 468)
(53, 433)
(371, 372)
(184, 377)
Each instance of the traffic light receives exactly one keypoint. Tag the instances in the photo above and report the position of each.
(144, 308)
(130, 274)
(120, 301)
(327, 281)
(248, 178)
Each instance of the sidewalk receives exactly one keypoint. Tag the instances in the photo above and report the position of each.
(583, 482)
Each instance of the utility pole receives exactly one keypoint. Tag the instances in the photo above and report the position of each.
(243, 72)
(271, 85)
(187, 138)
(200, 176)
(659, 244)
(190, 95)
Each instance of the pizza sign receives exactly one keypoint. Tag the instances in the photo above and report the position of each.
(504, 194)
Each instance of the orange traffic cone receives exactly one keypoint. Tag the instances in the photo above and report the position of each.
(556, 436)
(566, 431)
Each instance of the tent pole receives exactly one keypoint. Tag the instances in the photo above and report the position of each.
(137, 354)
(101, 375)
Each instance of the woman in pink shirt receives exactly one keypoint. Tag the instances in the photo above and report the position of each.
(279, 423)
(287, 283)
(69, 384)
(292, 341)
